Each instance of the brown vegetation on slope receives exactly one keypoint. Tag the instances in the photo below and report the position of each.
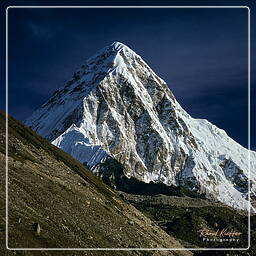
(54, 202)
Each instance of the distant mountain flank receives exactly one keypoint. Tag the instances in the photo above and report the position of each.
(116, 107)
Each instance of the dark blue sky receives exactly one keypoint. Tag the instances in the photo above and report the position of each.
(200, 53)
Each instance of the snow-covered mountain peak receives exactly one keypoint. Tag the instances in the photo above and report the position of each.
(116, 57)
(118, 46)
(115, 105)
(109, 52)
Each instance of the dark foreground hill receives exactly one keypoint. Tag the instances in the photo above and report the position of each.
(54, 202)
(183, 217)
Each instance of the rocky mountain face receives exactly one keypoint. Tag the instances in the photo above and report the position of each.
(117, 107)
(55, 202)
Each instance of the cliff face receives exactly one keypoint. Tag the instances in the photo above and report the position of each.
(116, 106)
(54, 202)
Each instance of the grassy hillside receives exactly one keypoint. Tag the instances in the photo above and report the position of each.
(55, 202)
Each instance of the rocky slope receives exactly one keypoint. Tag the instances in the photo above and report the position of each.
(116, 106)
(54, 202)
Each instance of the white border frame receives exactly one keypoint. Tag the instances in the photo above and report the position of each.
(129, 249)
